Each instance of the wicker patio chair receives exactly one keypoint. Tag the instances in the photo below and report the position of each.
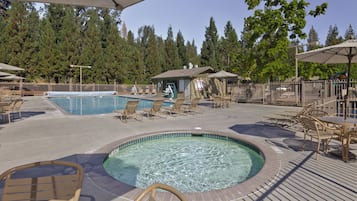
(152, 191)
(6, 108)
(316, 129)
(53, 180)
(129, 111)
(17, 107)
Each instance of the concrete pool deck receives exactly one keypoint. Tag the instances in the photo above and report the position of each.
(45, 133)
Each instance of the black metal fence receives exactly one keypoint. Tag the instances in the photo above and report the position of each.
(327, 92)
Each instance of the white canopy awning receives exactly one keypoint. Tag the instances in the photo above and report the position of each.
(115, 4)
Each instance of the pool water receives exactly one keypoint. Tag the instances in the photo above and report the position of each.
(190, 164)
(88, 105)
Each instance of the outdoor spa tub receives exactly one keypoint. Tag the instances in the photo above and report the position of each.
(196, 162)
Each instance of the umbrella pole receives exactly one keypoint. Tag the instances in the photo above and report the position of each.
(348, 82)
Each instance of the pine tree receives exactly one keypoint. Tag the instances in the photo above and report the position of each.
(47, 59)
(124, 31)
(230, 47)
(172, 59)
(70, 36)
(350, 33)
(115, 65)
(162, 54)
(16, 33)
(313, 39)
(3, 39)
(31, 45)
(191, 53)
(148, 43)
(136, 62)
(92, 54)
(210, 46)
(332, 37)
(181, 48)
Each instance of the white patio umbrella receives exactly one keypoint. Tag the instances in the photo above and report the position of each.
(343, 53)
(3, 74)
(116, 4)
(9, 67)
(11, 77)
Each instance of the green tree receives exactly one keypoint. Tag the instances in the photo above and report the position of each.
(172, 57)
(16, 32)
(230, 48)
(135, 60)
(209, 54)
(191, 53)
(333, 37)
(313, 39)
(350, 33)
(268, 32)
(162, 54)
(114, 66)
(92, 52)
(181, 48)
(148, 42)
(3, 38)
(47, 59)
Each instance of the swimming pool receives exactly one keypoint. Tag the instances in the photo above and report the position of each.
(89, 105)
(189, 161)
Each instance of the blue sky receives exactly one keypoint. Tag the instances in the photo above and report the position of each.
(192, 17)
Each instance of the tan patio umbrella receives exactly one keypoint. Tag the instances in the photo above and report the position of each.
(115, 4)
(222, 75)
(9, 67)
(343, 53)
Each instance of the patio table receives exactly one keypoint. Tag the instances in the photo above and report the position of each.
(347, 125)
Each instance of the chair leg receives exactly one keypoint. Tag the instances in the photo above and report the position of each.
(303, 145)
(318, 148)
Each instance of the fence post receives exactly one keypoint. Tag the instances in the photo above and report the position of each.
(263, 91)
(302, 93)
(325, 88)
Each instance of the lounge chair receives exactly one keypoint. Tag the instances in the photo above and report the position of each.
(193, 106)
(291, 118)
(129, 111)
(152, 191)
(140, 91)
(176, 107)
(155, 110)
(45, 180)
(153, 91)
(147, 90)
